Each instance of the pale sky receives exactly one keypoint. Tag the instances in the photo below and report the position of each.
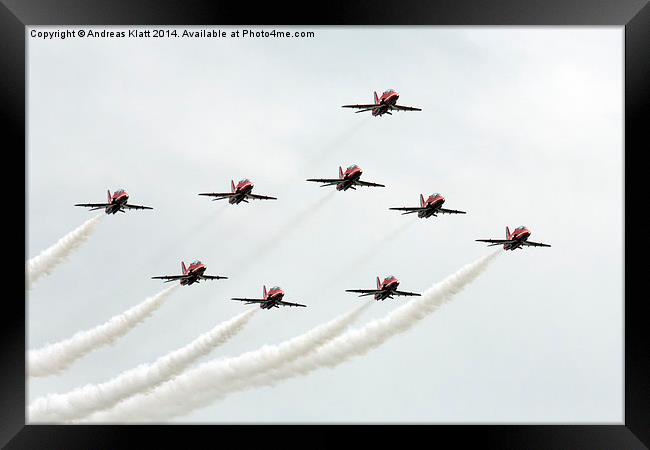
(520, 126)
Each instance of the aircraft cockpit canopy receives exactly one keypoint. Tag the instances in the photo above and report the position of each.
(353, 166)
(196, 262)
(245, 180)
(275, 288)
(520, 228)
(388, 91)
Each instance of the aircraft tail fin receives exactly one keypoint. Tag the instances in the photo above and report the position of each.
(507, 233)
(378, 283)
(183, 268)
(232, 186)
(376, 98)
(421, 200)
(340, 172)
(108, 191)
(264, 291)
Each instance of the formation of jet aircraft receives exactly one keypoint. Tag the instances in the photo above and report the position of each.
(348, 179)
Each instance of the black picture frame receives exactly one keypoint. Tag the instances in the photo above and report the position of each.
(634, 15)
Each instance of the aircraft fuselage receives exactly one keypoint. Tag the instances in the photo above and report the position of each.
(271, 299)
(518, 236)
(387, 288)
(349, 178)
(193, 272)
(432, 206)
(117, 202)
(242, 190)
(385, 102)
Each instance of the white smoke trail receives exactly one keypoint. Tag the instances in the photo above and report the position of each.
(94, 397)
(56, 357)
(197, 387)
(360, 341)
(207, 383)
(48, 259)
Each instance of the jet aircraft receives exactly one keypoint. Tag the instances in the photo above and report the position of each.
(383, 105)
(117, 202)
(385, 289)
(517, 239)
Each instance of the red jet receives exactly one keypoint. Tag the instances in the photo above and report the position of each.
(191, 274)
(383, 105)
(270, 299)
(346, 180)
(385, 289)
(116, 202)
(432, 206)
(514, 240)
(239, 193)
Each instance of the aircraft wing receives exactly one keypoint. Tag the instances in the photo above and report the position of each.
(364, 292)
(212, 277)
(325, 180)
(94, 205)
(249, 300)
(404, 108)
(367, 183)
(496, 241)
(535, 244)
(283, 303)
(260, 197)
(371, 106)
(409, 210)
(219, 195)
(128, 206)
(169, 278)
(450, 211)
(407, 294)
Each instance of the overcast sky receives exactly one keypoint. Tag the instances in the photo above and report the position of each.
(520, 126)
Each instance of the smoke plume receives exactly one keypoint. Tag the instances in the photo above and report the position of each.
(46, 261)
(94, 397)
(211, 381)
(56, 357)
(197, 387)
